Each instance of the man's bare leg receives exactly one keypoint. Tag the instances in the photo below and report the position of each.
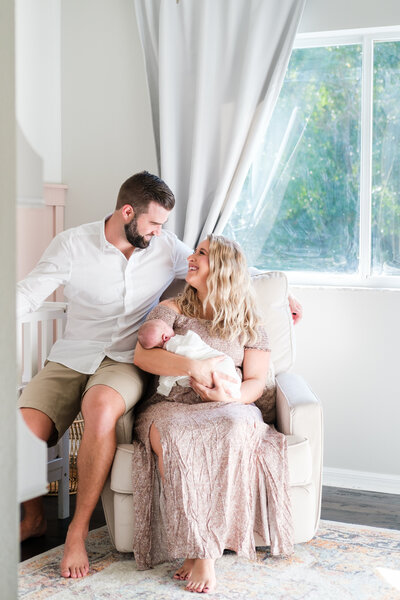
(33, 523)
(101, 408)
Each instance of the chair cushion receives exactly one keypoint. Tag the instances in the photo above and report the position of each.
(121, 472)
(299, 458)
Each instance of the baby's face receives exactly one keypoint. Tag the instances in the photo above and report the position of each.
(155, 333)
(164, 333)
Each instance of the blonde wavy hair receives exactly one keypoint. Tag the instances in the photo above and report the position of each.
(229, 293)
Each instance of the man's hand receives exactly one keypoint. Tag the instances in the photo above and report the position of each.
(296, 309)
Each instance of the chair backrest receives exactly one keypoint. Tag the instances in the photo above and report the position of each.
(272, 300)
(271, 289)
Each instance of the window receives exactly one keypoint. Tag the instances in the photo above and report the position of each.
(386, 160)
(323, 193)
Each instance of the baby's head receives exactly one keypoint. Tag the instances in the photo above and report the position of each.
(154, 334)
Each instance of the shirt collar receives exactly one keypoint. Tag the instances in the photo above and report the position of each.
(104, 243)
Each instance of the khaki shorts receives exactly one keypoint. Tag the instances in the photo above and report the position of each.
(58, 390)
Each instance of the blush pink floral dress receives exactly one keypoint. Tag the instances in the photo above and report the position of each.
(226, 473)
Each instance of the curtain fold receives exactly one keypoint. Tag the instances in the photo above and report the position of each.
(214, 70)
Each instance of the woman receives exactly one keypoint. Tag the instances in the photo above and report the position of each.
(207, 470)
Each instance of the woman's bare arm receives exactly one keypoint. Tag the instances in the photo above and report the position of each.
(255, 371)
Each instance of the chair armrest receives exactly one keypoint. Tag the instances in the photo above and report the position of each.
(299, 411)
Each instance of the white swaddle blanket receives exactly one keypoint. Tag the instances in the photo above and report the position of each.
(192, 346)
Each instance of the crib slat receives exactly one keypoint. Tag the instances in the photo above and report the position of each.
(43, 342)
(20, 358)
(27, 353)
(60, 327)
(35, 348)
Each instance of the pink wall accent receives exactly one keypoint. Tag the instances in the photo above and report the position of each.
(36, 227)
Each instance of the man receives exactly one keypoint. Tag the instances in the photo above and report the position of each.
(114, 272)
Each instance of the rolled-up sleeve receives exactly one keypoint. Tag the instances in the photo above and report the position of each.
(52, 270)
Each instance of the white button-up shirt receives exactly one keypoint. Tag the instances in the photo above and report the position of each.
(108, 295)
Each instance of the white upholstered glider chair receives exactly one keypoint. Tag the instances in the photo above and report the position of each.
(298, 416)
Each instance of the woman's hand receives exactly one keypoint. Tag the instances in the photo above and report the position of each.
(202, 371)
(217, 393)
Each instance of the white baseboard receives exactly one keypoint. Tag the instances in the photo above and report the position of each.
(361, 480)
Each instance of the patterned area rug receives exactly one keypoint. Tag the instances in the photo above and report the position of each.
(342, 562)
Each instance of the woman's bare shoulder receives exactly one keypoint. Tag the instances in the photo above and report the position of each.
(171, 303)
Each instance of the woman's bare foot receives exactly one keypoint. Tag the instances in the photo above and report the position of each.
(32, 527)
(186, 570)
(202, 577)
(75, 563)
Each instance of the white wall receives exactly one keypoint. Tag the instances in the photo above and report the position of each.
(38, 80)
(347, 343)
(106, 123)
(8, 459)
(348, 350)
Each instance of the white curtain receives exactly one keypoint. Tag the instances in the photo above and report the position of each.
(214, 70)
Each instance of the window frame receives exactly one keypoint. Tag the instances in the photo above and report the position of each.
(364, 277)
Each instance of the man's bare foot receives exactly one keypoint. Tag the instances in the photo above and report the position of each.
(75, 563)
(31, 527)
(202, 577)
(186, 570)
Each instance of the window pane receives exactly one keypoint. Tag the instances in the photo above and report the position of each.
(386, 160)
(299, 207)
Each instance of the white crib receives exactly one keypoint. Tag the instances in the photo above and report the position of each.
(36, 334)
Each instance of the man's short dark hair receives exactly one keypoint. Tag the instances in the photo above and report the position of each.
(141, 189)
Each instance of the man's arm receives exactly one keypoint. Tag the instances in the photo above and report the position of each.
(52, 270)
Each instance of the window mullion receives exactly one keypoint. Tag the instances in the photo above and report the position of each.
(366, 157)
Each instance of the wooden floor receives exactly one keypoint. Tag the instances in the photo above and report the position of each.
(365, 508)
(347, 506)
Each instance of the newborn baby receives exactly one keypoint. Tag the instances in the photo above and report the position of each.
(158, 334)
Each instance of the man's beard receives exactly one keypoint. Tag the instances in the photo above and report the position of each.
(133, 236)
